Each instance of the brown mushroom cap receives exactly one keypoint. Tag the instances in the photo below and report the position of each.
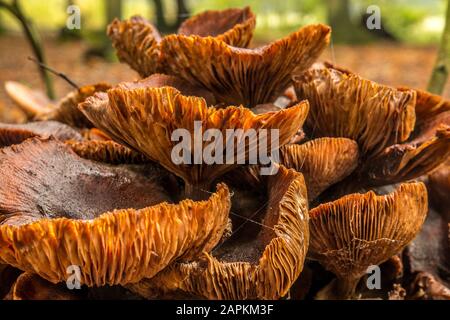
(138, 42)
(345, 105)
(426, 149)
(323, 162)
(30, 101)
(243, 76)
(11, 134)
(248, 266)
(47, 179)
(233, 26)
(59, 210)
(130, 117)
(430, 250)
(360, 230)
(439, 184)
(66, 110)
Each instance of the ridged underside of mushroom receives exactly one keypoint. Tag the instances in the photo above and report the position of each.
(402, 162)
(130, 117)
(44, 178)
(243, 76)
(233, 26)
(265, 267)
(137, 43)
(67, 110)
(323, 162)
(29, 286)
(360, 230)
(42, 234)
(159, 80)
(11, 134)
(107, 152)
(345, 105)
(429, 106)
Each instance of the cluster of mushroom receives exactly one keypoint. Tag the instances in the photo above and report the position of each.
(90, 192)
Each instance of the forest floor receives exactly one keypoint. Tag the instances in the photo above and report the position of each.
(392, 64)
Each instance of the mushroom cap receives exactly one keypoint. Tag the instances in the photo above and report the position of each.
(323, 162)
(107, 152)
(130, 117)
(58, 210)
(234, 26)
(430, 250)
(439, 184)
(138, 42)
(30, 101)
(345, 105)
(159, 80)
(243, 76)
(11, 134)
(360, 230)
(254, 267)
(426, 149)
(66, 110)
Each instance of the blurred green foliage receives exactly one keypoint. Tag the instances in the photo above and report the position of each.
(412, 21)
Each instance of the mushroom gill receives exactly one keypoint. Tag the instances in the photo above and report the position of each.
(243, 76)
(258, 264)
(402, 133)
(360, 230)
(130, 116)
(323, 162)
(138, 42)
(233, 26)
(58, 210)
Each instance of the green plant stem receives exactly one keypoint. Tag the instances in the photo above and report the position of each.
(32, 37)
(441, 68)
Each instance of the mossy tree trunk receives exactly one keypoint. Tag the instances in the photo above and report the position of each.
(441, 68)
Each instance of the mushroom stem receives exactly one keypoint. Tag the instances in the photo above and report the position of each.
(196, 191)
(345, 288)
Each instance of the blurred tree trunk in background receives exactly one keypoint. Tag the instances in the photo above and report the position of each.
(343, 29)
(113, 10)
(183, 12)
(161, 21)
(441, 68)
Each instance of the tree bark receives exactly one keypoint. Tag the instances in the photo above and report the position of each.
(441, 68)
